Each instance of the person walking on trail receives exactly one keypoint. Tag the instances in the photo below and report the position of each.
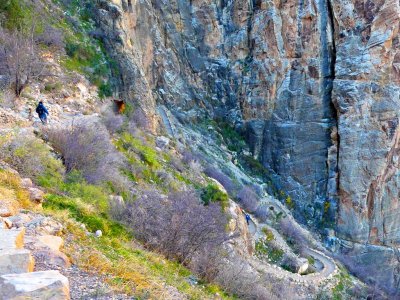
(42, 112)
(248, 219)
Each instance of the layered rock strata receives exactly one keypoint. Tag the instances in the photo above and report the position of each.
(314, 83)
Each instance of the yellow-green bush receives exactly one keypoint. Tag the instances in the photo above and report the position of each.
(212, 193)
(13, 182)
(30, 156)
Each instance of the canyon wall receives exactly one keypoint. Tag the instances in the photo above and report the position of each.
(366, 95)
(314, 83)
(261, 65)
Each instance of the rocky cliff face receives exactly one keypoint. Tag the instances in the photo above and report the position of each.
(263, 66)
(315, 85)
(366, 94)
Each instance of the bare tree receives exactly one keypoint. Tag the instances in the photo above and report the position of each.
(86, 146)
(178, 225)
(293, 233)
(20, 58)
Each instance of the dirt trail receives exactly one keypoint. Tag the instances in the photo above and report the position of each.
(252, 227)
(327, 271)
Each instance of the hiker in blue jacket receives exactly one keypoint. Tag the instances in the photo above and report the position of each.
(248, 219)
(42, 112)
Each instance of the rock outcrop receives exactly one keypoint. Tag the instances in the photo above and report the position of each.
(17, 264)
(366, 93)
(264, 67)
(17, 279)
(37, 285)
(314, 84)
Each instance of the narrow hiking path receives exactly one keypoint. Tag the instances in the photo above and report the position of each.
(327, 271)
(252, 227)
(329, 266)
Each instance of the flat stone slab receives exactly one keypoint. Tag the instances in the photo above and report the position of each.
(16, 261)
(50, 241)
(12, 238)
(49, 285)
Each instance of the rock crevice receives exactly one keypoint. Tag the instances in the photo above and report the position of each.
(316, 85)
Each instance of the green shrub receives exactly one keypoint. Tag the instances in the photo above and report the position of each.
(265, 249)
(129, 143)
(85, 54)
(232, 138)
(327, 206)
(254, 166)
(105, 90)
(92, 194)
(53, 87)
(269, 235)
(212, 193)
(18, 15)
(289, 202)
(82, 212)
(30, 156)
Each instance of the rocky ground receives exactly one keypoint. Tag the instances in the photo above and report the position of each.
(39, 236)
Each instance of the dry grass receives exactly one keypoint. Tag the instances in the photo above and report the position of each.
(130, 269)
(12, 192)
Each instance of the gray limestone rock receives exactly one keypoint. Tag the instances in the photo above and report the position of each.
(315, 85)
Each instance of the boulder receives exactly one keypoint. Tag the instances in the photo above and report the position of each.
(49, 285)
(54, 258)
(45, 226)
(117, 199)
(47, 247)
(5, 212)
(302, 266)
(162, 142)
(12, 238)
(16, 261)
(20, 220)
(36, 195)
(49, 241)
(26, 183)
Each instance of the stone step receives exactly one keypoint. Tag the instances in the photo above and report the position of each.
(50, 285)
(12, 238)
(16, 261)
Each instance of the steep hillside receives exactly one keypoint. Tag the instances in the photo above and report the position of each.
(205, 149)
(313, 86)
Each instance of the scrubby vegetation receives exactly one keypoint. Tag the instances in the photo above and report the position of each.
(212, 194)
(77, 201)
(25, 35)
(84, 48)
(248, 199)
(266, 249)
(293, 234)
(31, 29)
(85, 146)
(222, 178)
(11, 182)
(184, 220)
(178, 226)
(28, 155)
(231, 137)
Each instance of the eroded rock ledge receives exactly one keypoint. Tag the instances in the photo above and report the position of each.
(315, 86)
